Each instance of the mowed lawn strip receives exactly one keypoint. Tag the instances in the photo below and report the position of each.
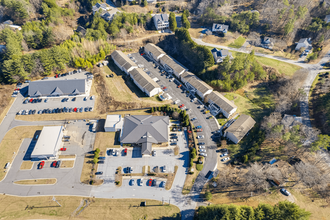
(26, 165)
(12, 207)
(12, 142)
(67, 163)
(238, 42)
(36, 181)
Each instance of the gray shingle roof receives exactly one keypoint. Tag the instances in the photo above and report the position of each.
(57, 87)
(196, 82)
(241, 126)
(122, 59)
(136, 126)
(161, 18)
(219, 27)
(171, 63)
(221, 101)
(143, 79)
(156, 51)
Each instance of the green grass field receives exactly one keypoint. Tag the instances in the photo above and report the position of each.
(238, 42)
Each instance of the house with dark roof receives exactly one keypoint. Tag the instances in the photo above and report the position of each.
(145, 130)
(267, 42)
(153, 51)
(220, 104)
(145, 82)
(239, 128)
(106, 11)
(220, 28)
(195, 84)
(81, 30)
(220, 55)
(123, 61)
(59, 87)
(161, 21)
(171, 66)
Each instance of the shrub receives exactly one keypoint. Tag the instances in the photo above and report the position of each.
(199, 167)
(95, 160)
(208, 195)
(191, 164)
(117, 182)
(98, 150)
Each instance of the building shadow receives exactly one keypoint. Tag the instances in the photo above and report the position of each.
(33, 143)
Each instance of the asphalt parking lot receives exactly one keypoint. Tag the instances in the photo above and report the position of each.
(164, 157)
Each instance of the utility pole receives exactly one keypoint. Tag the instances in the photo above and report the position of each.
(54, 199)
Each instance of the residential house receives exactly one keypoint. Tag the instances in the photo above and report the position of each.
(220, 55)
(220, 104)
(327, 19)
(106, 11)
(195, 84)
(161, 21)
(153, 51)
(304, 43)
(171, 66)
(122, 61)
(101, 7)
(145, 82)
(220, 28)
(267, 42)
(239, 128)
(57, 87)
(145, 130)
(81, 30)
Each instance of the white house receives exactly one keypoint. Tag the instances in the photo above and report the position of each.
(153, 51)
(145, 82)
(219, 103)
(171, 66)
(161, 21)
(327, 19)
(113, 123)
(220, 28)
(304, 42)
(101, 7)
(122, 61)
(195, 84)
(239, 128)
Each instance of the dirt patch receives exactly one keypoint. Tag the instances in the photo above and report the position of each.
(26, 165)
(67, 163)
(36, 182)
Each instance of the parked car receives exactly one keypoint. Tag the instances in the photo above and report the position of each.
(164, 168)
(154, 182)
(203, 154)
(201, 147)
(99, 173)
(285, 192)
(149, 182)
(200, 137)
(63, 149)
(54, 163)
(198, 127)
(202, 150)
(101, 158)
(141, 182)
(193, 119)
(224, 159)
(41, 165)
(199, 130)
(109, 152)
(85, 99)
(92, 98)
(132, 182)
(201, 143)
(74, 99)
(153, 153)
(225, 154)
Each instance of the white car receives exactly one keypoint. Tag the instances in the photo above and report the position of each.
(225, 154)
(177, 101)
(224, 159)
(141, 182)
(202, 150)
(201, 147)
(203, 154)
(200, 137)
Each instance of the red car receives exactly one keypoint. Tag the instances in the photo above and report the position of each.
(199, 130)
(54, 163)
(149, 182)
(31, 100)
(63, 149)
(181, 105)
(41, 164)
(179, 86)
(164, 88)
(75, 109)
(125, 151)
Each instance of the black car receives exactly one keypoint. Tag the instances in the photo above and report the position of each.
(58, 164)
(99, 173)
(101, 161)
(33, 112)
(109, 152)
(74, 99)
(154, 182)
(202, 143)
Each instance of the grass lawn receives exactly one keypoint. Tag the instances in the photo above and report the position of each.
(238, 43)
(222, 121)
(44, 208)
(244, 105)
(87, 169)
(36, 181)
(26, 165)
(11, 143)
(67, 163)
(104, 140)
(287, 69)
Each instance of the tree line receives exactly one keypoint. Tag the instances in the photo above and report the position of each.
(280, 211)
(199, 56)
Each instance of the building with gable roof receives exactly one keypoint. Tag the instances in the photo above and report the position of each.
(123, 61)
(153, 51)
(220, 104)
(239, 128)
(161, 21)
(220, 28)
(145, 130)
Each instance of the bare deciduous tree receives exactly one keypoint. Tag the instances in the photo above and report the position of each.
(255, 178)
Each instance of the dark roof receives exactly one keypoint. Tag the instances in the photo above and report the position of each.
(145, 129)
(161, 17)
(57, 87)
(81, 30)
